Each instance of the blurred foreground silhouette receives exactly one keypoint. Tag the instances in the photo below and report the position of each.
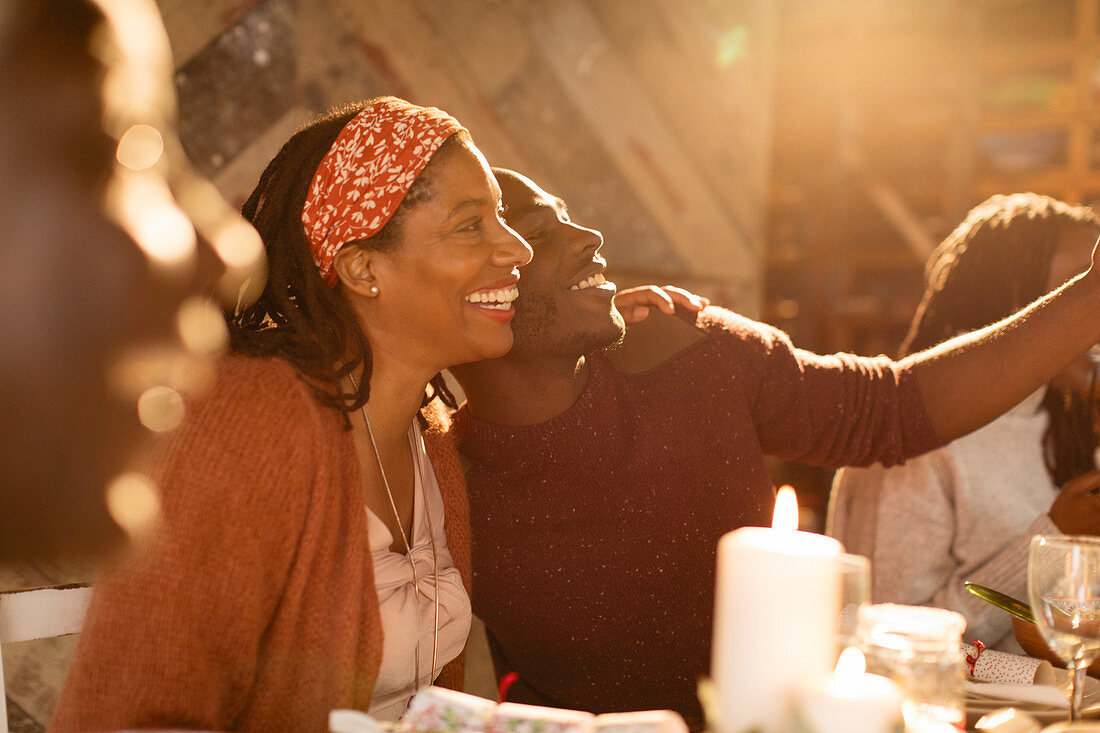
(116, 262)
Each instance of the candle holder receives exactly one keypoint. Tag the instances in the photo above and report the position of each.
(849, 701)
(919, 648)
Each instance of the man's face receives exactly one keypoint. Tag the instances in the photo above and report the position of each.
(565, 305)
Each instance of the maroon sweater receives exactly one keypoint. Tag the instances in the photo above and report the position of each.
(594, 533)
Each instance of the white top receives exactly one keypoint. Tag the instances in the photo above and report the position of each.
(965, 511)
(398, 601)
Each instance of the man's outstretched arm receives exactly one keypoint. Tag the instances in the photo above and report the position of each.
(973, 378)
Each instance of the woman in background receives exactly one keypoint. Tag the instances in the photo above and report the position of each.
(968, 510)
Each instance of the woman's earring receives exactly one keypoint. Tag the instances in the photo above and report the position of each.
(372, 289)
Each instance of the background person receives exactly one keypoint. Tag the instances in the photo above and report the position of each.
(967, 511)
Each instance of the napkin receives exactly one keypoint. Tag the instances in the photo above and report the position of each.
(1018, 692)
(440, 709)
(643, 721)
(447, 711)
(512, 717)
(1002, 667)
(355, 721)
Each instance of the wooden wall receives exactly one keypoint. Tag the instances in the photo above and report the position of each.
(650, 117)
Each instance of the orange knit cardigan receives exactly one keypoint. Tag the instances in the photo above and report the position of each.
(255, 607)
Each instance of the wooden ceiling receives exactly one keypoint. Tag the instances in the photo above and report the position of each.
(651, 118)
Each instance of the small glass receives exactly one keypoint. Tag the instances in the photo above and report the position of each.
(919, 648)
(855, 593)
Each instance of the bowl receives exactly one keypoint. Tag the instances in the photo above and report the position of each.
(1031, 640)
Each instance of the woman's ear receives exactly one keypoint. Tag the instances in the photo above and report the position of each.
(354, 267)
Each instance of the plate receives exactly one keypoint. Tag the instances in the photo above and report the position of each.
(978, 704)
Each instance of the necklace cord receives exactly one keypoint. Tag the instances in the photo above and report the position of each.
(408, 544)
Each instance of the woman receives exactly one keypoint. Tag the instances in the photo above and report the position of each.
(967, 511)
(304, 566)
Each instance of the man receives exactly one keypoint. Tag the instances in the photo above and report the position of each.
(600, 482)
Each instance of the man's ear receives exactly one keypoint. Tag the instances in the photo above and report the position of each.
(354, 267)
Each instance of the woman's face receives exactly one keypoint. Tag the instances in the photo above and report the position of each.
(446, 287)
(1071, 257)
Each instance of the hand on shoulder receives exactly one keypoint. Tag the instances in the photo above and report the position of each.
(654, 338)
(635, 303)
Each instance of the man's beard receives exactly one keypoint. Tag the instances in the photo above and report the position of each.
(537, 331)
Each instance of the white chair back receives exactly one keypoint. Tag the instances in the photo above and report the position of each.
(37, 613)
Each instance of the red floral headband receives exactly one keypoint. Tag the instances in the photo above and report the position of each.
(367, 172)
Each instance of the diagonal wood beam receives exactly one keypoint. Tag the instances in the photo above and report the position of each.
(613, 101)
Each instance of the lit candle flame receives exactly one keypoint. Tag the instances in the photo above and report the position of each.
(786, 510)
(851, 664)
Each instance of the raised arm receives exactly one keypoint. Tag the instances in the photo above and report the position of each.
(973, 378)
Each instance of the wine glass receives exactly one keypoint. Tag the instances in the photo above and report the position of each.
(1063, 585)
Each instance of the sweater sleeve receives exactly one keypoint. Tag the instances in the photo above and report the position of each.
(824, 410)
(173, 637)
(914, 516)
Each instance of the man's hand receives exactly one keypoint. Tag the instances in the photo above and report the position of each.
(634, 303)
(1077, 508)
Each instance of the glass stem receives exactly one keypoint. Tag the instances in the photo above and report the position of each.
(1080, 668)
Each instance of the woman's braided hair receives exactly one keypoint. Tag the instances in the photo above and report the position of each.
(298, 317)
(994, 263)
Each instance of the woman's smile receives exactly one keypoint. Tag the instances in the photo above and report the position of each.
(495, 299)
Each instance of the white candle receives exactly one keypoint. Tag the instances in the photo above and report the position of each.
(851, 701)
(775, 615)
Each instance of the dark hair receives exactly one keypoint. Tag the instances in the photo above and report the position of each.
(993, 264)
(298, 317)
